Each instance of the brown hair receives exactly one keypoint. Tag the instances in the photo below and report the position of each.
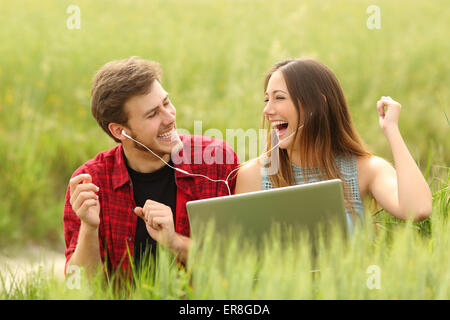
(327, 131)
(115, 83)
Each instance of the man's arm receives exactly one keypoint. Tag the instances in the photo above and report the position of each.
(180, 246)
(82, 220)
(87, 252)
(159, 223)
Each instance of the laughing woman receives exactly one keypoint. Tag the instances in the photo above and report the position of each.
(306, 107)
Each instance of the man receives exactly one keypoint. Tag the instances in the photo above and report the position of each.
(127, 198)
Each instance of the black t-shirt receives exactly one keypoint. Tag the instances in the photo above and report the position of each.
(158, 186)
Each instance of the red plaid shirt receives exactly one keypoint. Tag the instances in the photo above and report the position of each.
(117, 220)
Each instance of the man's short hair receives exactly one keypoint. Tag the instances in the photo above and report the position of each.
(115, 83)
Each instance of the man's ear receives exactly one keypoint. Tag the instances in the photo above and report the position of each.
(116, 130)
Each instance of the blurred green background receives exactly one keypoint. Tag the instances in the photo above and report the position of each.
(214, 55)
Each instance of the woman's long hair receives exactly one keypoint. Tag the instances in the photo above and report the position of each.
(327, 131)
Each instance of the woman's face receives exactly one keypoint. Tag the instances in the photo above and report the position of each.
(280, 110)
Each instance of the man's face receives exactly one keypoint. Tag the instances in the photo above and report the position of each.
(151, 120)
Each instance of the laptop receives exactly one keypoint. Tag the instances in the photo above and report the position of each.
(299, 209)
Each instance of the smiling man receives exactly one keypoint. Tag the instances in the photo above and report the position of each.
(127, 198)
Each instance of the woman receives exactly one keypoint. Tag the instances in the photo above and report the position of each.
(306, 107)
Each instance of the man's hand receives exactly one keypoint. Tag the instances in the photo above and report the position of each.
(84, 200)
(159, 222)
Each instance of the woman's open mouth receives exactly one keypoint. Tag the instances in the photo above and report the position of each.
(280, 126)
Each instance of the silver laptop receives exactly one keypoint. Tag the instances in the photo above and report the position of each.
(300, 208)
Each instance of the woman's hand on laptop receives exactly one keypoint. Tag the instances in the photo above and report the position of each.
(159, 222)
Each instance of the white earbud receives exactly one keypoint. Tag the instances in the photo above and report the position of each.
(124, 134)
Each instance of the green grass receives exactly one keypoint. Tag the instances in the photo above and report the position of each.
(412, 266)
(214, 55)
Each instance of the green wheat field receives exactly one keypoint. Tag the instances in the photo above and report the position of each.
(214, 56)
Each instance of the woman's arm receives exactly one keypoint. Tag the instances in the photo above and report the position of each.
(403, 192)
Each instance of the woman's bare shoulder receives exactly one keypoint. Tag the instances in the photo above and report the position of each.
(249, 176)
(367, 167)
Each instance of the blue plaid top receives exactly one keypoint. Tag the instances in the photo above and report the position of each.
(347, 167)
